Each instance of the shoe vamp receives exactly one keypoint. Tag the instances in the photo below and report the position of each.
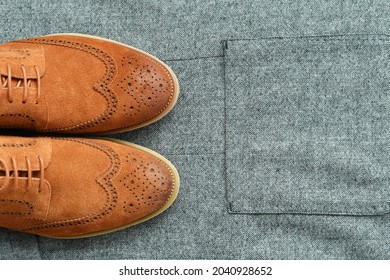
(75, 175)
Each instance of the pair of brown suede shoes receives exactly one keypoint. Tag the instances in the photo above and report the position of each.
(81, 187)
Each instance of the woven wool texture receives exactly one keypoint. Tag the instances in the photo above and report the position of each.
(307, 117)
(280, 137)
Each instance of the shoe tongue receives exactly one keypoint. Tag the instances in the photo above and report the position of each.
(16, 57)
(22, 148)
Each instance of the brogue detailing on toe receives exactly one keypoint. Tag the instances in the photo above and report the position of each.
(142, 85)
(146, 184)
(104, 180)
(101, 86)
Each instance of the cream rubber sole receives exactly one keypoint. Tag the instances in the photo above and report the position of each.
(175, 191)
(174, 78)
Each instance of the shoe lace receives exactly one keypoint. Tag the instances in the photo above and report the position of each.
(6, 82)
(15, 174)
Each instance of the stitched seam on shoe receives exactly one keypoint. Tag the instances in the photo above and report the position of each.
(101, 86)
(104, 180)
(23, 202)
(26, 54)
(28, 117)
(32, 207)
(13, 145)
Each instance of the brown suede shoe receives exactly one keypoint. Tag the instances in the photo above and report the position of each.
(74, 187)
(72, 83)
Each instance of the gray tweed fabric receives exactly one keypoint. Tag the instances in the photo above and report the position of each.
(308, 125)
(279, 135)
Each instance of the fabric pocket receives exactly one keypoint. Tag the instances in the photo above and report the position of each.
(307, 125)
